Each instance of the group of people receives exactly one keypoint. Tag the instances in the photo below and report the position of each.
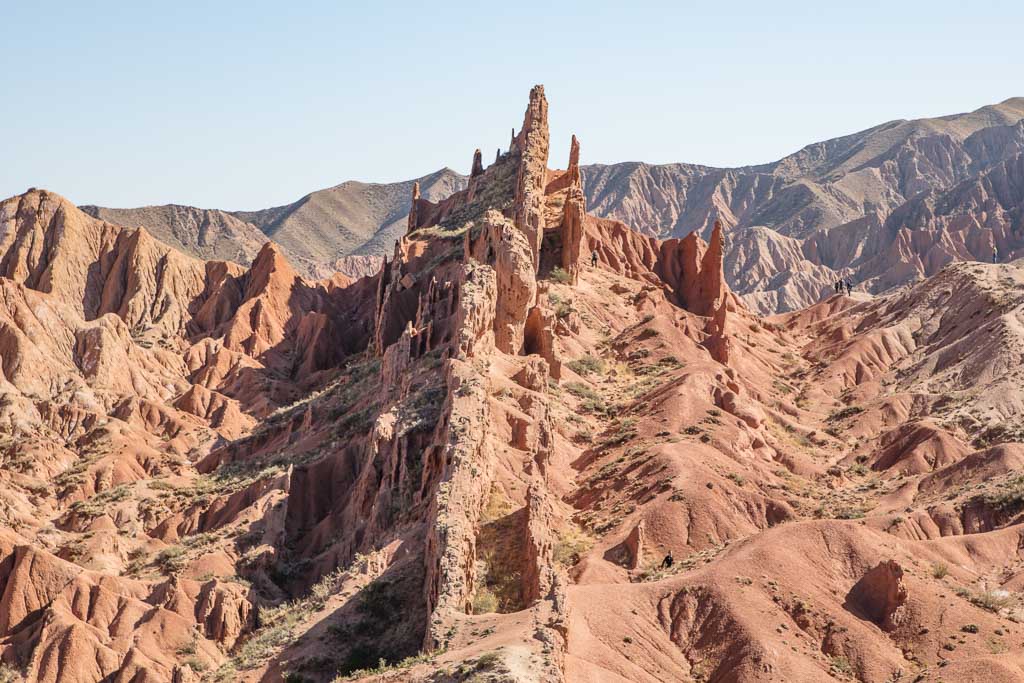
(839, 285)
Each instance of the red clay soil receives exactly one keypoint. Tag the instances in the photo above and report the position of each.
(471, 464)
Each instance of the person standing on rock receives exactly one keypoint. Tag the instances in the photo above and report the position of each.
(667, 562)
(849, 288)
(995, 254)
(593, 259)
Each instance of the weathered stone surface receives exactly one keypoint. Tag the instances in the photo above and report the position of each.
(880, 594)
(573, 217)
(532, 146)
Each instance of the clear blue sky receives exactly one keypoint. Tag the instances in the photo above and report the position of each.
(249, 105)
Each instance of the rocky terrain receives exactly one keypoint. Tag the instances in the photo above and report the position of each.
(883, 207)
(470, 464)
(345, 228)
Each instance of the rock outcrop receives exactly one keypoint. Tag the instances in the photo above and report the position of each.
(880, 594)
(573, 216)
(531, 146)
(468, 464)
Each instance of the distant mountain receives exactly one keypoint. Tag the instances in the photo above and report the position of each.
(350, 218)
(864, 206)
(882, 207)
(204, 233)
(346, 227)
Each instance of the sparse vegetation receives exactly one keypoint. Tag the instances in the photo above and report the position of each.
(8, 674)
(845, 413)
(484, 601)
(171, 560)
(276, 625)
(992, 600)
(570, 546)
(560, 275)
(1008, 498)
(587, 365)
(839, 665)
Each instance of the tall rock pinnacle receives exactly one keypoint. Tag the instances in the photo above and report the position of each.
(532, 143)
(573, 215)
(712, 269)
(478, 165)
(411, 225)
(574, 162)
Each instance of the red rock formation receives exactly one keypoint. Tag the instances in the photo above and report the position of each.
(880, 594)
(573, 216)
(478, 165)
(364, 468)
(532, 147)
(506, 249)
(413, 219)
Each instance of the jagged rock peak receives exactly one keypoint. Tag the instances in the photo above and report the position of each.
(532, 145)
(573, 215)
(574, 162)
(536, 118)
(269, 266)
(712, 265)
(478, 164)
(411, 220)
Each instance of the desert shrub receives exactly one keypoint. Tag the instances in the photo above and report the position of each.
(8, 674)
(172, 559)
(560, 275)
(583, 436)
(1009, 498)
(196, 664)
(844, 413)
(587, 365)
(992, 600)
(940, 570)
(484, 601)
(570, 546)
(580, 390)
(840, 665)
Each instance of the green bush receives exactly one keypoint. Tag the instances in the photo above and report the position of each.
(560, 275)
(587, 365)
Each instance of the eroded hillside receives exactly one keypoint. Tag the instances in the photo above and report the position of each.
(471, 465)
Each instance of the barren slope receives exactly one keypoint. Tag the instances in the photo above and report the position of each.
(471, 464)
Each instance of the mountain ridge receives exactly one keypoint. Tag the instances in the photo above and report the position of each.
(833, 184)
(534, 445)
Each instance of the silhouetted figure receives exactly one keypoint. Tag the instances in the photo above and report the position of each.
(593, 259)
(849, 288)
(995, 255)
(667, 562)
(837, 286)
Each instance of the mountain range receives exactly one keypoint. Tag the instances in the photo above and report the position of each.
(882, 208)
(531, 445)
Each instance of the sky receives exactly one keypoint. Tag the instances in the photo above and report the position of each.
(250, 105)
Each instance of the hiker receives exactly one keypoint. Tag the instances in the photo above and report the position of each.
(593, 259)
(837, 286)
(667, 562)
(849, 288)
(995, 254)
